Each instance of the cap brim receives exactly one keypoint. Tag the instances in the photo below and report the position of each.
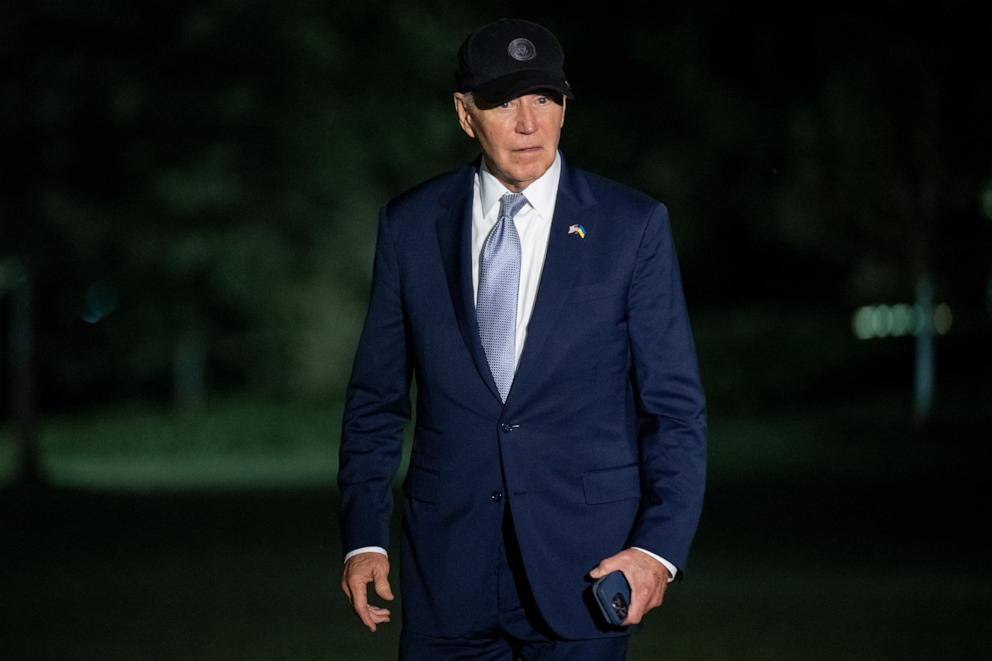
(518, 83)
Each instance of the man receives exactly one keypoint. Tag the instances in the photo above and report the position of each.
(560, 423)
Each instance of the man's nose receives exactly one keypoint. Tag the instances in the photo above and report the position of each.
(526, 119)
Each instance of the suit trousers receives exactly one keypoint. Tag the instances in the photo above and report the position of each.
(510, 627)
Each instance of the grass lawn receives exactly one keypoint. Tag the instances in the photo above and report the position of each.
(243, 445)
(828, 534)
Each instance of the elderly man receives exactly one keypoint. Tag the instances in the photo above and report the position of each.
(560, 420)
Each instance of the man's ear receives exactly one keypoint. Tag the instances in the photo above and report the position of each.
(464, 116)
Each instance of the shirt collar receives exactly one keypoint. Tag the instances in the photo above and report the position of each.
(541, 193)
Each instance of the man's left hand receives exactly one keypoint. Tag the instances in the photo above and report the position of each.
(648, 580)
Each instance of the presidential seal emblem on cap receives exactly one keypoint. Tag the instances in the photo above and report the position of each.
(521, 49)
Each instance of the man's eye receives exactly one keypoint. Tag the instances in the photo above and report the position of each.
(505, 104)
(542, 99)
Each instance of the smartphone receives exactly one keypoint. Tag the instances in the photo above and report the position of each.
(612, 593)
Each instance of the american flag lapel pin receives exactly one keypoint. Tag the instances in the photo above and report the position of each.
(577, 229)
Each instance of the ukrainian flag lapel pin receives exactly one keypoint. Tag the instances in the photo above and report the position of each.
(578, 229)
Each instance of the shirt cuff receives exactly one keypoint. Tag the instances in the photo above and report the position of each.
(672, 570)
(370, 549)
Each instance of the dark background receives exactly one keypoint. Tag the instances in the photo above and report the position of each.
(189, 196)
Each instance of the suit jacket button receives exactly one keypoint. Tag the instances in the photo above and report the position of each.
(506, 427)
(496, 496)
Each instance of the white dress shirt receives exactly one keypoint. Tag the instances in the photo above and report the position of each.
(533, 223)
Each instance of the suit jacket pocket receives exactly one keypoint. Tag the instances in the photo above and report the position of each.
(591, 292)
(610, 484)
(421, 484)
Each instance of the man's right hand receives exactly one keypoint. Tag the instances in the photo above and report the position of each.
(359, 571)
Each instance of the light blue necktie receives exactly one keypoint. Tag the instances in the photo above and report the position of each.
(496, 302)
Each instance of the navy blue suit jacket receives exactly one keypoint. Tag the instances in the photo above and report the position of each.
(601, 443)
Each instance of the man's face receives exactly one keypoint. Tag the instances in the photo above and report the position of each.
(519, 137)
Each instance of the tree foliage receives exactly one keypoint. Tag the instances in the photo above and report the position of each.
(198, 181)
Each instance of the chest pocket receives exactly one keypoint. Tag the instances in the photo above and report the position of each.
(595, 292)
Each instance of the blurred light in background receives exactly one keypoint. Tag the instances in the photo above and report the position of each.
(987, 200)
(903, 320)
(942, 319)
(101, 300)
(871, 321)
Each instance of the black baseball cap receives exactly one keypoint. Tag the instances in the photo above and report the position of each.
(510, 57)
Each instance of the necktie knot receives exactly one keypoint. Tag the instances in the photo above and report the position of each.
(511, 204)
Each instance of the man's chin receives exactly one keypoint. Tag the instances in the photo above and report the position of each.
(526, 173)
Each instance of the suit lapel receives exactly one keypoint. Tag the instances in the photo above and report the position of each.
(562, 263)
(454, 235)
